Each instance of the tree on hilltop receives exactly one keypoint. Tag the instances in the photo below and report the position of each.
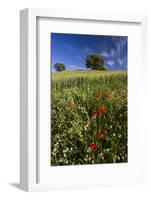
(59, 67)
(95, 62)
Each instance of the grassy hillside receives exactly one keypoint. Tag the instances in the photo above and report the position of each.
(88, 117)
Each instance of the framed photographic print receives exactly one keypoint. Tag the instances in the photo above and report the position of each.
(82, 77)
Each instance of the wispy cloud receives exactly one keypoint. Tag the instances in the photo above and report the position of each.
(110, 63)
(79, 57)
(123, 41)
(120, 44)
(122, 61)
(119, 60)
(87, 50)
(69, 47)
(75, 67)
(116, 53)
(105, 54)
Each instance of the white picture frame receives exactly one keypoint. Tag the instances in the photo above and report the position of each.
(29, 148)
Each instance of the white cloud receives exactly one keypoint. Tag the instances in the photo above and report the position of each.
(120, 61)
(123, 41)
(79, 57)
(105, 54)
(120, 45)
(75, 67)
(69, 47)
(87, 50)
(112, 52)
(110, 63)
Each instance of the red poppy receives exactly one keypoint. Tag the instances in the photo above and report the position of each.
(105, 94)
(98, 94)
(97, 101)
(100, 135)
(93, 146)
(95, 113)
(103, 110)
(72, 105)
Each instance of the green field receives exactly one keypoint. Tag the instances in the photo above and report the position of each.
(88, 117)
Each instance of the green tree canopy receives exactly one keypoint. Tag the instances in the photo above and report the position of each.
(59, 67)
(95, 62)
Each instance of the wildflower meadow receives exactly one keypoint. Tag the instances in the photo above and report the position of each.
(88, 117)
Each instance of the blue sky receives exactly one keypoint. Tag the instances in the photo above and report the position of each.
(72, 50)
